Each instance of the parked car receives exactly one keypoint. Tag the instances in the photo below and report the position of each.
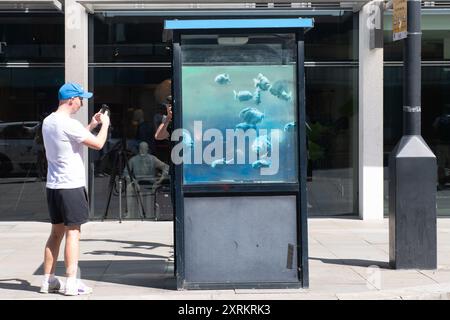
(21, 148)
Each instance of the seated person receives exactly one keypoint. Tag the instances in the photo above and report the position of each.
(145, 168)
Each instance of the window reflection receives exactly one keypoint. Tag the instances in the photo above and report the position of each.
(335, 39)
(331, 100)
(435, 38)
(27, 96)
(331, 104)
(135, 97)
(435, 124)
(129, 39)
(32, 38)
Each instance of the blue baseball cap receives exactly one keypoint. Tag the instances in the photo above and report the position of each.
(71, 90)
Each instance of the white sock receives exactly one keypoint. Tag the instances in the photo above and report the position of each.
(49, 277)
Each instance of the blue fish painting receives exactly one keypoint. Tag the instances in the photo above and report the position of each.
(257, 96)
(261, 144)
(263, 163)
(251, 115)
(280, 89)
(245, 126)
(241, 111)
(262, 82)
(242, 95)
(289, 126)
(223, 78)
(219, 162)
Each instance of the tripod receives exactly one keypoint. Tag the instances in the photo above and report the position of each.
(121, 162)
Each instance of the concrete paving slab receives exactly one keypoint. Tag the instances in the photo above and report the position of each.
(439, 275)
(135, 260)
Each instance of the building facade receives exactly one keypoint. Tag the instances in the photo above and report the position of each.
(119, 50)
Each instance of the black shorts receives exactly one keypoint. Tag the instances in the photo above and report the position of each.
(68, 206)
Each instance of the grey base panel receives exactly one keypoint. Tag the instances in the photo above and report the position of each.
(240, 240)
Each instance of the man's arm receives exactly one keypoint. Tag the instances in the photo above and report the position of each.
(161, 132)
(164, 168)
(97, 142)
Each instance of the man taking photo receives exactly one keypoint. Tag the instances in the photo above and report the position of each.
(64, 140)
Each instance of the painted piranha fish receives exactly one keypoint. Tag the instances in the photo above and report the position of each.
(262, 82)
(251, 115)
(242, 95)
(280, 89)
(245, 126)
(257, 96)
(263, 163)
(289, 126)
(223, 78)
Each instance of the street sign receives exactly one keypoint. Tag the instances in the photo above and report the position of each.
(399, 20)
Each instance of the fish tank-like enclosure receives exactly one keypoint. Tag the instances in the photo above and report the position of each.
(245, 97)
(239, 153)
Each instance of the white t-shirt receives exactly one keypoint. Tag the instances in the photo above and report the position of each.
(63, 137)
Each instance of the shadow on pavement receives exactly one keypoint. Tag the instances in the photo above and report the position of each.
(354, 262)
(133, 244)
(147, 273)
(125, 254)
(17, 284)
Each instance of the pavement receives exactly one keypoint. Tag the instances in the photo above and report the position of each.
(134, 260)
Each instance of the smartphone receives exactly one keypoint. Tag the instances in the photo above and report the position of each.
(105, 110)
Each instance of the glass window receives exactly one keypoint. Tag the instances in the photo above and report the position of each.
(332, 117)
(330, 92)
(334, 37)
(435, 97)
(135, 97)
(27, 95)
(129, 39)
(435, 37)
(239, 108)
(435, 123)
(37, 37)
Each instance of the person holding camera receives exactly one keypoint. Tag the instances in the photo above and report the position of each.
(162, 132)
(64, 140)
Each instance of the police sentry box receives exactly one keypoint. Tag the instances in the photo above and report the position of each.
(239, 151)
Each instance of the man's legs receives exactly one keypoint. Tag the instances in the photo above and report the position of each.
(50, 283)
(52, 248)
(74, 286)
(72, 250)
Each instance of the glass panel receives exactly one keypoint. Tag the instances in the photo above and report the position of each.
(27, 96)
(32, 38)
(239, 109)
(335, 37)
(435, 124)
(134, 96)
(331, 110)
(129, 39)
(435, 37)
(120, 38)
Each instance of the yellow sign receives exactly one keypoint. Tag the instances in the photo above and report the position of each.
(399, 20)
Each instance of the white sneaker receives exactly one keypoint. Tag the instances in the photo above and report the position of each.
(76, 288)
(50, 286)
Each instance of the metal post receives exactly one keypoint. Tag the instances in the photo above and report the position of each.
(120, 200)
(412, 72)
(412, 169)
